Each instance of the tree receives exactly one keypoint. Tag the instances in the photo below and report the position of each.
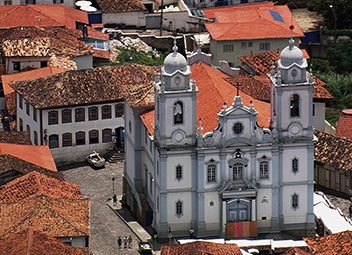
(131, 55)
(339, 56)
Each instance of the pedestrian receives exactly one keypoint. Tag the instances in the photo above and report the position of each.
(119, 242)
(130, 241)
(125, 242)
(191, 233)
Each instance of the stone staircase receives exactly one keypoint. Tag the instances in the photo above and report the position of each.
(114, 156)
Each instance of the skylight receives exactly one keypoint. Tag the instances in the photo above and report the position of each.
(276, 16)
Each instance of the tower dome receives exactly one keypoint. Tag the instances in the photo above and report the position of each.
(175, 61)
(291, 55)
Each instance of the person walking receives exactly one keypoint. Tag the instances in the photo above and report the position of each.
(130, 242)
(119, 242)
(125, 242)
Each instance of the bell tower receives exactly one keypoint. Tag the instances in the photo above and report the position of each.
(175, 102)
(291, 95)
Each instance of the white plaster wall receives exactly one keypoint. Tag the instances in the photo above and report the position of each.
(216, 49)
(77, 241)
(31, 62)
(212, 213)
(179, 223)
(128, 18)
(181, 21)
(298, 215)
(27, 119)
(14, 2)
(264, 209)
(228, 128)
(171, 163)
(78, 153)
(319, 116)
(304, 114)
(84, 62)
(129, 142)
(288, 155)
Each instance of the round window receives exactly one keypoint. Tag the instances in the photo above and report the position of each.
(238, 128)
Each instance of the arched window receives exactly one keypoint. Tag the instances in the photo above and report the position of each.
(79, 115)
(93, 136)
(80, 138)
(53, 141)
(93, 113)
(178, 113)
(66, 116)
(53, 118)
(35, 137)
(211, 173)
(264, 169)
(294, 201)
(179, 172)
(237, 171)
(66, 140)
(179, 208)
(106, 112)
(107, 135)
(295, 165)
(294, 105)
(21, 125)
(118, 110)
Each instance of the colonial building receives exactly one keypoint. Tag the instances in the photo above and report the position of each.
(77, 112)
(245, 29)
(216, 160)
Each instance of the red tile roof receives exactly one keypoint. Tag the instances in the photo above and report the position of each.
(37, 184)
(344, 124)
(92, 33)
(261, 63)
(120, 6)
(200, 248)
(296, 251)
(105, 54)
(214, 90)
(15, 137)
(54, 217)
(10, 96)
(252, 21)
(38, 155)
(41, 15)
(335, 244)
(32, 242)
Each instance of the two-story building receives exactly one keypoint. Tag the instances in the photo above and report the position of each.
(244, 29)
(77, 112)
(214, 159)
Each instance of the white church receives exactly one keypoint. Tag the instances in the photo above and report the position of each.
(231, 168)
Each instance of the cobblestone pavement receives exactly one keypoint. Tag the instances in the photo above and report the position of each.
(105, 225)
(343, 204)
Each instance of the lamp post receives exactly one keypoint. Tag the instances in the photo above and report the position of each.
(114, 198)
(334, 15)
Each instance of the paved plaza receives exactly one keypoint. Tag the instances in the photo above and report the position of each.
(105, 225)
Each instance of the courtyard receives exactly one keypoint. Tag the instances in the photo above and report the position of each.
(105, 225)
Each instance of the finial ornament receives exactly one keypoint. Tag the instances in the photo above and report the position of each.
(200, 127)
(238, 85)
(291, 41)
(175, 48)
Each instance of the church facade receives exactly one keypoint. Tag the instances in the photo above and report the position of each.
(244, 172)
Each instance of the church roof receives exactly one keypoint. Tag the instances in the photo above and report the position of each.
(214, 90)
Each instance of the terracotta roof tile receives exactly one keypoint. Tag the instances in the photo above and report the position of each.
(335, 244)
(15, 137)
(10, 96)
(40, 15)
(253, 21)
(101, 84)
(261, 64)
(10, 164)
(92, 33)
(37, 155)
(214, 90)
(54, 217)
(333, 150)
(37, 184)
(296, 251)
(42, 42)
(117, 6)
(200, 248)
(344, 125)
(33, 242)
(105, 54)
